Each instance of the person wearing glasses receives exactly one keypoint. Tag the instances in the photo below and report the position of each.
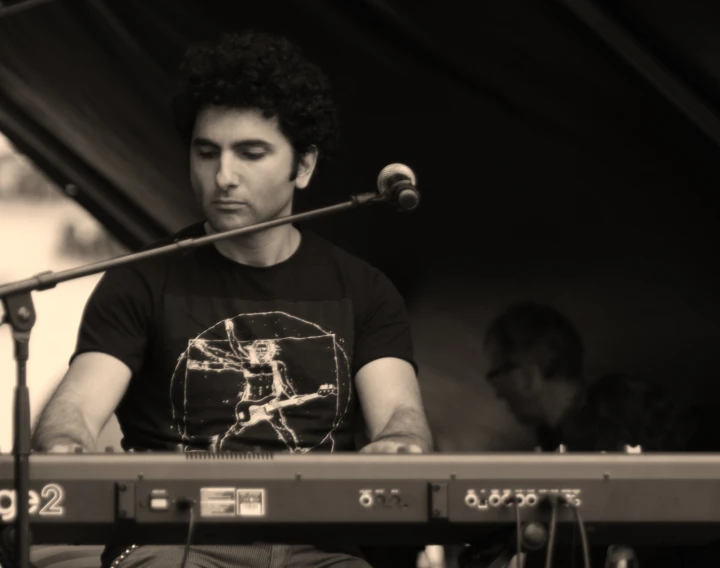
(535, 363)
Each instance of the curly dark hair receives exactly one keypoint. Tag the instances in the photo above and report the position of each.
(255, 70)
(542, 333)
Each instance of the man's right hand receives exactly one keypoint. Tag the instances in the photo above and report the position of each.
(65, 449)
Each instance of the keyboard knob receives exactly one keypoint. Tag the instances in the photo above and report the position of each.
(621, 557)
(534, 536)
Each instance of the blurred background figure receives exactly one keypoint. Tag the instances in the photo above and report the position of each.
(535, 358)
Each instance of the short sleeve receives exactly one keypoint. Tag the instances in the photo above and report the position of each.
(117, 317)
(383, 324)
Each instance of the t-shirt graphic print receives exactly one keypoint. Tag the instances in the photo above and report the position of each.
(266, 379)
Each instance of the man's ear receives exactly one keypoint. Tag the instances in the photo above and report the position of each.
(306, 167)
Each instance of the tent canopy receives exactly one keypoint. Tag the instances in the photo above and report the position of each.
(571, 113)
(547, 136)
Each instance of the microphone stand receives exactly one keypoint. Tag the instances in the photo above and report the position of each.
(20, 314)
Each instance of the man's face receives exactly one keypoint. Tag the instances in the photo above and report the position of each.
(262, 351)
(240, 168)
(519, 385)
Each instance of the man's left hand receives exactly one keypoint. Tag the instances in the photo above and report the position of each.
(391, 446)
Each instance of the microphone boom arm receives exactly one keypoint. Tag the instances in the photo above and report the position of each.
(47, 280)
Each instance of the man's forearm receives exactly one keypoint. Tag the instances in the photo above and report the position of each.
(410, 425)
(62, 423)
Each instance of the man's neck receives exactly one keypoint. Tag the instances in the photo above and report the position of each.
(262, 249)
(559, 397)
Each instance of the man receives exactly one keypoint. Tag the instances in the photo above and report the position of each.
(166, 343)
(535, 363)
(265, 383)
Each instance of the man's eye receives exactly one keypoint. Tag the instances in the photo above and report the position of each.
(254, 155)
(207, 154)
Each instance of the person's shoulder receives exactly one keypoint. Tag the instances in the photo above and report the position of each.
(643, 409)
(322, 248)
(154, 266)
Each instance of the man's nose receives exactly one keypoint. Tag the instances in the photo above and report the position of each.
(225, 177)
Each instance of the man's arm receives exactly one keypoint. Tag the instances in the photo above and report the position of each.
(239, 351)
(82, 404)
(392, 407)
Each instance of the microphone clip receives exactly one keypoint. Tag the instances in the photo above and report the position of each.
(404, 195)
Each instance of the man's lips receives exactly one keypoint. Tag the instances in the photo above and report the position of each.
(229, 204)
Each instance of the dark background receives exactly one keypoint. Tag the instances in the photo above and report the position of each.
(566, 151)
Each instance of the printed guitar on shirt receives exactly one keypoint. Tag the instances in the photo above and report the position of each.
(231, 388)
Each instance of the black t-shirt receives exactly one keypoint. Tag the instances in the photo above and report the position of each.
(226, 356)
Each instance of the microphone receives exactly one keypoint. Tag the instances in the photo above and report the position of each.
(396, 183)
